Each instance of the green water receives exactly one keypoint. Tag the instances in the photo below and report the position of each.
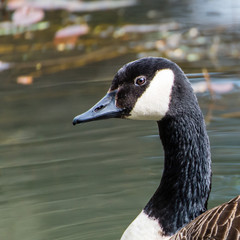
(64, 182)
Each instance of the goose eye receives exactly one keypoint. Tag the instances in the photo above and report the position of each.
(139, 81)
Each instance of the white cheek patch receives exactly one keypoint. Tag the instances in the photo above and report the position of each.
(154, 102)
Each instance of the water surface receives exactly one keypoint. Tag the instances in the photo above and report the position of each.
(60, 181)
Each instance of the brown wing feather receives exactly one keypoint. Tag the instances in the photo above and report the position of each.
(219, 223)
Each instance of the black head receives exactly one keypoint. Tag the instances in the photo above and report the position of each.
(143, 90)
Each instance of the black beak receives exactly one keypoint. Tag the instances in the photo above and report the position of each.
(104, 109)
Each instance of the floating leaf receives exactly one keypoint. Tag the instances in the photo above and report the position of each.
(219, 88)
(222, 87)
(25, 16)
(73, 5)
(4, 66)
(67, 37)
(25, 80)
(74, 30)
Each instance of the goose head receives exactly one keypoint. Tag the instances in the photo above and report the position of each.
(145, 89)
(157, 89)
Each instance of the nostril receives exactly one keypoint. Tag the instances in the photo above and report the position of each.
(99, 108)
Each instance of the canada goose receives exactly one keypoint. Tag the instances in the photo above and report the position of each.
(157, 89)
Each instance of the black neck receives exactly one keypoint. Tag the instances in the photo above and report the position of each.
(186, 181)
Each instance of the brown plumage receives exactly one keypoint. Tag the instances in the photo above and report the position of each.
(219, 223)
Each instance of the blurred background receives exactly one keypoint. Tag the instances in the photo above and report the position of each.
(57, 58)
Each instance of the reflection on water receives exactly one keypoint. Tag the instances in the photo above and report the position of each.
(89, 181)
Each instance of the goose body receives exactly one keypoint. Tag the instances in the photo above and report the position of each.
(157, 89)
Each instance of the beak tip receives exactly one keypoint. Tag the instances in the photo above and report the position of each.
(104, 109)
(75, 121)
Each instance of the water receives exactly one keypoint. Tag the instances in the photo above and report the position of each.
(60, 181)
